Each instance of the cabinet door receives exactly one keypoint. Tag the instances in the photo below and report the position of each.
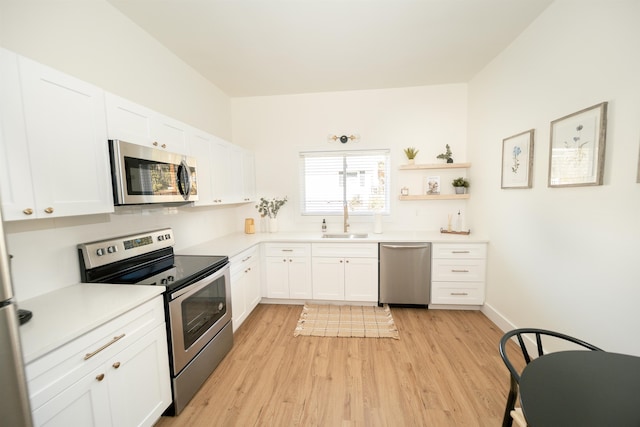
(253, 290)
(236, 174)
(277, 277)
(15, 169)
(138, 380)
(328, 278)
(361, 279)
(199, 146)
(85, 403)
(238, 298)
(220, 172)
(67, 140)
(168, 134)
(134, 123)
(300, 278)
(128, 121)
(248, 176)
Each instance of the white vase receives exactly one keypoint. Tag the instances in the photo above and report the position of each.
(273, 225)
(460, 190)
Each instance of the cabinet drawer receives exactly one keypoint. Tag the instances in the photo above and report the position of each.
(462, 270)
(55, 371)
(346, 250)
(457, 293)
(290, 249)
(459, 250)
(240, 262)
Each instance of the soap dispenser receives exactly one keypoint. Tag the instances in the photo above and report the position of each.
(324, 225)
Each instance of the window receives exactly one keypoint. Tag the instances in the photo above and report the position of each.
(359, 178)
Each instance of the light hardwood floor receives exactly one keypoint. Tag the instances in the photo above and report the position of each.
(445, 370)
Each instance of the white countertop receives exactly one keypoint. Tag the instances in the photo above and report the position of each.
(233, 244)
(63, 315)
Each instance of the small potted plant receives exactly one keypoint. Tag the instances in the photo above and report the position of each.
(270, 208)
(411, 153)
(460, 184)
(446, 155)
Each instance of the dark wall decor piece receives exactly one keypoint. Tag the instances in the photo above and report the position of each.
(577, 146)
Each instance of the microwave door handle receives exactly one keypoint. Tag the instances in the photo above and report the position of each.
(184, 183)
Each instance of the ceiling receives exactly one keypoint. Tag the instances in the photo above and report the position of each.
(275, 47)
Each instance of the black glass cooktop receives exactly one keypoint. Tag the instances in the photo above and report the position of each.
(171, 271)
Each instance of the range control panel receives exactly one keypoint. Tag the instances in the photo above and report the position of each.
(104, 252)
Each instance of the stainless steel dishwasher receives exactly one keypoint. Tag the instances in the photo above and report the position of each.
(405, 273)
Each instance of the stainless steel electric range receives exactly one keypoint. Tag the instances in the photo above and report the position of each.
(197, 300)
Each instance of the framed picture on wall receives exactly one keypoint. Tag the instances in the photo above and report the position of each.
(432, 185)
(577, 145)
(638, 177)
(517, 160)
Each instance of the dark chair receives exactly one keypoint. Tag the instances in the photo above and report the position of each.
(510, 412)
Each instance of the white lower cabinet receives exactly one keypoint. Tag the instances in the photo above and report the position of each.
(245, 284)
(345, 271)
(458, 273)
(288, 270)
(115, 375)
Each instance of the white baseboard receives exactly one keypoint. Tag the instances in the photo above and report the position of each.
(497, 318)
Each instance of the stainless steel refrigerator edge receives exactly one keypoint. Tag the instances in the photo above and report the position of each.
(405, 273)
(14, 398)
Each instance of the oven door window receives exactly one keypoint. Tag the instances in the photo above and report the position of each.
(202, 309)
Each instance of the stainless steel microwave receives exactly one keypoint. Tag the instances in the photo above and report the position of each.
(142, 175)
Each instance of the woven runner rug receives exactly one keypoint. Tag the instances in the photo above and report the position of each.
(346, 321)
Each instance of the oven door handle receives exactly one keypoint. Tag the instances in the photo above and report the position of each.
(195, 287)
(184, 181)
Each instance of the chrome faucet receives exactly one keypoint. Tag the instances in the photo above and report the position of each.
(346, 218)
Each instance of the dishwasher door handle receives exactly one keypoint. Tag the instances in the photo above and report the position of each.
(405, 246)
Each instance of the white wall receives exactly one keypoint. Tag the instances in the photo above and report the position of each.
(563, 258)
(428, 118)
(92, 41)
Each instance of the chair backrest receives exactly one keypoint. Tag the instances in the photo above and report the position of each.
(538, 333)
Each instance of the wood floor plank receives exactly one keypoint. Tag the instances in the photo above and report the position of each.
(445, 370)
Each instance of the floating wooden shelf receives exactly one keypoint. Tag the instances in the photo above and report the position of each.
(435, 197)
(442, 230)
(436, 166)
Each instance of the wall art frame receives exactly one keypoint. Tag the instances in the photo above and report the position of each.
(577, 148)
(517, 160)
(432, 185)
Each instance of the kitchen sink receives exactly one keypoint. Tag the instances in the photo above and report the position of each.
(345, 236)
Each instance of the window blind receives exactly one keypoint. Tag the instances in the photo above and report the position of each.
(329, 179)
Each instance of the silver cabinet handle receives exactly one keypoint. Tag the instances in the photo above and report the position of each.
(459, 271)
(287, 250)
(113, 341)
(460, 252)
(405, 246)
(459, 293)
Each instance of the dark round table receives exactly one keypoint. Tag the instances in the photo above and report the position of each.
(581, 388)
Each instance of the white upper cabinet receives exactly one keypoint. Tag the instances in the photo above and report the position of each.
(134, 123)
(226, 172)
(54, 143)
(242, 175)
(249, 176)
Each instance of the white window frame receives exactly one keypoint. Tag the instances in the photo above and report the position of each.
(371, 179)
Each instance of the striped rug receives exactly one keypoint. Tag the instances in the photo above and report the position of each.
(346, 321)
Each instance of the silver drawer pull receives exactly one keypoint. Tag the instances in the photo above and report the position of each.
(246, 259)
(459, 293)
(287, 250)
(93, 353)
(460, 252)
(459, 271)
